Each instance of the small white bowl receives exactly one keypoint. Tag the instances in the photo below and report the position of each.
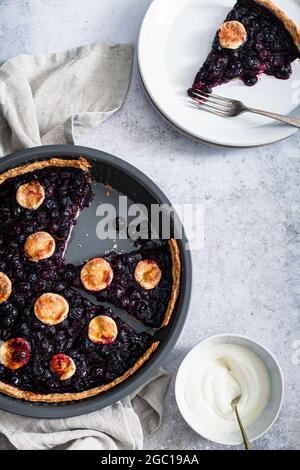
(271, 411)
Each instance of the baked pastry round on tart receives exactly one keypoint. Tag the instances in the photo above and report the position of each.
(55, 345)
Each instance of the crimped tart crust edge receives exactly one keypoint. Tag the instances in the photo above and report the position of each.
(81, 163)
(289, 24)
(176, 274)
(64, 397)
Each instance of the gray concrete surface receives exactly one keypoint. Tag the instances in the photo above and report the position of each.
(246, 278)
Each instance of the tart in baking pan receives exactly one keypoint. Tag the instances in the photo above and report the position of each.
(55, 345)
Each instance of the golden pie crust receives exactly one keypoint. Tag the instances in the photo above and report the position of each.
(62, 397)
(81, 164)
(289, 24)
(176, 274)
(232, 35)
(84, 165)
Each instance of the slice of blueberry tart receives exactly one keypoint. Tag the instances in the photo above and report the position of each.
(144, 282)
(256, 37)
(55, 345)
(65, 348)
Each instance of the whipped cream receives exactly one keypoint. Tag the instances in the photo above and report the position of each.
(217, 375)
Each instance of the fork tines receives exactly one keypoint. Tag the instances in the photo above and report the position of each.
(212, 103)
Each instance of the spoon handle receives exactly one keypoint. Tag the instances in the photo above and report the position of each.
(245, 438)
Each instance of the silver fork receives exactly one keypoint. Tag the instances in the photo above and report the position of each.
(226, 107)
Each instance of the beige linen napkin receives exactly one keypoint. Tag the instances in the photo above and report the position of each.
(56, 99)
(121, 426)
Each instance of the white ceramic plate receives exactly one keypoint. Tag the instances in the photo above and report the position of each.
(175, 38)
(269, 415)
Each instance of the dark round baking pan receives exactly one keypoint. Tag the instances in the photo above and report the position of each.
(127, 180)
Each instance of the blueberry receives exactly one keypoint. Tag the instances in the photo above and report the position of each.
(24, 329)
(68, 294)
(81, 371)
(59, 287)
(251, 64)
(67, 212)
(41, 285)
(66, 201)
(234, 15)
(33, 277)
(53, 228)
(24, 287)
(124, 302)
(234, 69)
(6, 321)
(278, 61)
(263, 53)
(269, 37)
(54, 214)
(142, 306)
(49, 191)
(15, 380)
(4, 214)
(117, 292)
(276, 47)
(99, 371)
(41, 217)
(51, 204)
(4, 334)
(64, 233)
(283, 72)
(19, 298)
(69, 275)
(17, 211)
(250, 80)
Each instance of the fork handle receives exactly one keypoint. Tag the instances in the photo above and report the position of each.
(288, 120)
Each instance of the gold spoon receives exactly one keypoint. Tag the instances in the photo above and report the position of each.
(234, 404)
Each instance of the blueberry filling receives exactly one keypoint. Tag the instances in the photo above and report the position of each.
(269, 49)
(67, 191)
(95, 364)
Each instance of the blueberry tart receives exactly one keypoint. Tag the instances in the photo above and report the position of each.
(255, 38)
(55, 345)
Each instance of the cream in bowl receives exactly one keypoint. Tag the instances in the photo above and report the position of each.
(217, 376)
(220, 369)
